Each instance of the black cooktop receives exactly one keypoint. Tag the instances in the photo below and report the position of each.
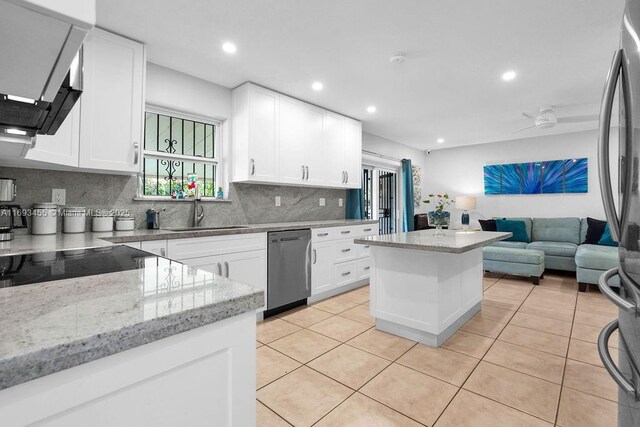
(16, 270)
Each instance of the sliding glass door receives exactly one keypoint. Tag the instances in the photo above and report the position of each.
(381, 197)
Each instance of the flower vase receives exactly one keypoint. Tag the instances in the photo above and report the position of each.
(439, 219)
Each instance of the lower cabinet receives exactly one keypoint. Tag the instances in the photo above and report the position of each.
(337, 261)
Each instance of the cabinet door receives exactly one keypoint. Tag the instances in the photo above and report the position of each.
(247, 267)
(61, 148)
(316, 157)
(332, 146)
(292, 140)
(112, 103)
(322, 258)
(212, 264)
(352, 146)
(263, 141)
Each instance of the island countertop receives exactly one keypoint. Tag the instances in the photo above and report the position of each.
(51, 326)
(454, 241)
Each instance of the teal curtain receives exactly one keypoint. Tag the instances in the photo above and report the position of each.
(407, 192)
(355, 204)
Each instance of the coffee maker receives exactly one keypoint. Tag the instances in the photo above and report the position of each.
(11, 216)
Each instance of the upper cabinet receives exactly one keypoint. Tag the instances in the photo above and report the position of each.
(281, 140)
(112, 105)
(104, 131)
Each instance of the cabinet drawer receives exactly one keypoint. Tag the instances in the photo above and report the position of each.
(345, 250)
(322, 234)
(368, 230)
(364, 268)
(363, 250)
(345, 273)
(346, 232)
(216, 245)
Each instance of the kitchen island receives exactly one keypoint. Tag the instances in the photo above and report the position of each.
(423, 286)
(154, 342)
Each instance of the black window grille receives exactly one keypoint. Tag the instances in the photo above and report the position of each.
(387, 202)
(174, 148)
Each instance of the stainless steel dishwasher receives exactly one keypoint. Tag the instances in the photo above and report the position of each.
(289, 269)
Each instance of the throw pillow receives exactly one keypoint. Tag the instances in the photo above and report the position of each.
(595, 230)
(488, 224)
(518, 229)
(607, 239)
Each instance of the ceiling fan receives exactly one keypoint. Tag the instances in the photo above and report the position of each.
(546, 118)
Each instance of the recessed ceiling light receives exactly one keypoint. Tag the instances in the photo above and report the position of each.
(15, 132)
(371, 109)
(508, 75)
(317, 86)
(229, 48)
(440, 141)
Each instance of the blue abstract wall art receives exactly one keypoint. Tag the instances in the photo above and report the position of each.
(548, 177)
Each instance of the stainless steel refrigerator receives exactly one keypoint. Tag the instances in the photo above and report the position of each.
(624, 221)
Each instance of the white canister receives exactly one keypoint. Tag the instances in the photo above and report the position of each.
(102, 221)
(74, 219)
(44, 218)
(125, 222)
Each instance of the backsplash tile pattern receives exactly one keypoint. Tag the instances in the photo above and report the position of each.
(250, 203)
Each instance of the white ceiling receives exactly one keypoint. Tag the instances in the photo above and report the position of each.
(450, 84)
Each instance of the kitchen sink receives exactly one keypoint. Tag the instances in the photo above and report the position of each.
(229, 227)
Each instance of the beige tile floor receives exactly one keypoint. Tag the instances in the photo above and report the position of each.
(528, 358)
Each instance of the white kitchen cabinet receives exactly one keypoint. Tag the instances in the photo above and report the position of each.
(281, 140)
(211, 263)
(332, 145)
(255, 139)
(339, 264)
(112, 105)
(248, 267)
(352, 152)
(293, 167)
(316, 156)
(323, 259)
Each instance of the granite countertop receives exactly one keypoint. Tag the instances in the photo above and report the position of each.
(28, 243)
(51, 326)
(454, 241)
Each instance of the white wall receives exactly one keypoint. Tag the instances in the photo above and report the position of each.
(459, 171)
(394, 149)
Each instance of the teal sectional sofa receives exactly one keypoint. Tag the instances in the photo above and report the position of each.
(561, 242)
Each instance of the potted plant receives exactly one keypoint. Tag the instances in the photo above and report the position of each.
(439, 217)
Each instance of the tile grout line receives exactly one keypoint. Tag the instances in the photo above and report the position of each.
(478, 364)
(564, 370)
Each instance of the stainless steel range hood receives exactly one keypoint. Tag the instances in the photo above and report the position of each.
(41, 70)
(23, 117)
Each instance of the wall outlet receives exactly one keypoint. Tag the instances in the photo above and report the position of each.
(278, 201)
(322, 201)
(340, 202)
(59, 196)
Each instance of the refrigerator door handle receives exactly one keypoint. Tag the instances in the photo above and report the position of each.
(604, 171)
(603, 350)
(603, 284)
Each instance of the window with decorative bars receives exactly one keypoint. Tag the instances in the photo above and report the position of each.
(178, 149)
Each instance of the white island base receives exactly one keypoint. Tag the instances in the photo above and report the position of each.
(422, 295)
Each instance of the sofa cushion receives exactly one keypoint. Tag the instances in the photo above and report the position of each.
(506, 244)
(595, 230)
(521, 256)
(607, 238)
(555, 248)
(584, 226)
(597, 257)
(527, 225)
(488, 224)
(556, 230)
(516, 227)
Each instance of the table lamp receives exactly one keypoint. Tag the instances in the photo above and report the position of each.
(465, 203)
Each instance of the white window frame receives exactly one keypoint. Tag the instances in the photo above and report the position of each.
(217, 149)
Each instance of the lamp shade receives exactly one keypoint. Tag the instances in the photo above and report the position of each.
(465, 202)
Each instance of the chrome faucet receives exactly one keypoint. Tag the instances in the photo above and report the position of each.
(198, 211)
